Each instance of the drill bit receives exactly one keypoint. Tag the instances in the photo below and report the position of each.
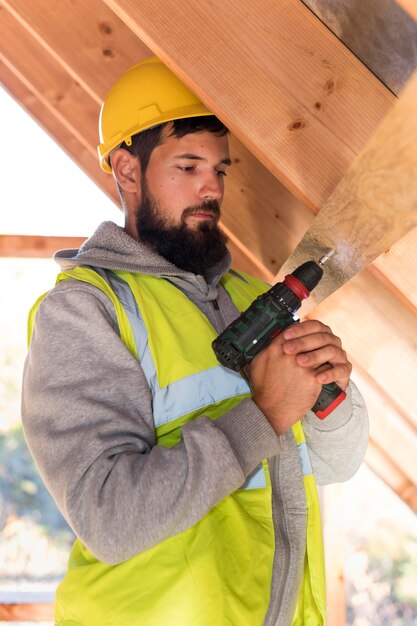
(326, 257)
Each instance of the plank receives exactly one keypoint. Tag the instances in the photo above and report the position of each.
(410, 6)
(87, 36)
(26, 612)
(18, 606)
(396, 268)
(33, 246)
(288, 88)
(392, 476)
(390, 429)
(379, 333)
(373, 206)
(265, 216)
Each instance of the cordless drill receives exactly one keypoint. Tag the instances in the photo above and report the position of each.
(265, 318)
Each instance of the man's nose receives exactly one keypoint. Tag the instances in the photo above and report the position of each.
(212, 188)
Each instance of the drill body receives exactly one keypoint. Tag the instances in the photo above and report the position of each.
(270, 314)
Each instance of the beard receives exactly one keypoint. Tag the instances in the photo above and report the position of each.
(193, 250)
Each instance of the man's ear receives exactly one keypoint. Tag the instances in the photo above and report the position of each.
(126, 170)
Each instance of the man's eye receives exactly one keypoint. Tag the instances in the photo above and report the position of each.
(186, 168)
(221, 173)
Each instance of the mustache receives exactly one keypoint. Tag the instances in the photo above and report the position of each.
(210, 206)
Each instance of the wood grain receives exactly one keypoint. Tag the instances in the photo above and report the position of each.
(37, 612)
(392, 476)
(287, 87)
(379, 334)
(32, 246)
(373, 206)
(396, 268)
(410, 6)
(86, 38)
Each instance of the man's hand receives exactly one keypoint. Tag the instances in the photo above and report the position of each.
(288, 375)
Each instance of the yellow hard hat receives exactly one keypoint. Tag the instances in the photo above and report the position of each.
(146, 95)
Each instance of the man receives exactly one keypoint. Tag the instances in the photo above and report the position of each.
(192, 494)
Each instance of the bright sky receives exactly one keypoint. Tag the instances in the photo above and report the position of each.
(43, 192)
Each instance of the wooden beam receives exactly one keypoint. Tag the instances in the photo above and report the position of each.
(378, 333)
(36, 612)
(387, 469)
(396, 269)
(267, 219)
(89, 41)
(22, 606)
(373, 206)
(36, 246)
(285, 85)
(410, 6)
(258, 211)
(390, 430)
(32, 246)
(259, 228)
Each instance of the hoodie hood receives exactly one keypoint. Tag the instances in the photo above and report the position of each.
(111, 248)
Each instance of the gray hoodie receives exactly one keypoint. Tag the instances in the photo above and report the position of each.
(86, 410)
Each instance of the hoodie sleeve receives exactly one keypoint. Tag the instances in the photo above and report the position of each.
(87, 416)
(337, 444)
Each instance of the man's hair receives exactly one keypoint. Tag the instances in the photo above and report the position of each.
(144, 143)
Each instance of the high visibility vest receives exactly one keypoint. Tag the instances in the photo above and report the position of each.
(218, 572)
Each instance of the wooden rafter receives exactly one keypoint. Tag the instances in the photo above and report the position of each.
(410, 6)
(393, 477)
(26, 606)
(378, 333)
(373, 206)
(54, 81)
(278, 78)
(390, 431)
(31, 246)
(396, 268)
(300, 75)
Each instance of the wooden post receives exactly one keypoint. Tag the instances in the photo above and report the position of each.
(334, 549)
